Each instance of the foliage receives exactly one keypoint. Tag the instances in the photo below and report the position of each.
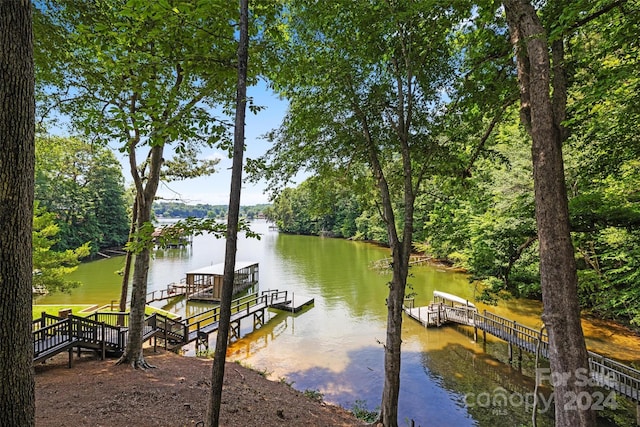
(480, 215)
(82, 185)
(190, 226)
(50, 267)
(145, 76)
(313, 394)
(360, 411)
(364, 83)
(182, 210)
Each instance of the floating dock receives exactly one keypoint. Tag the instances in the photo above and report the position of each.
(296, 304)
(444, 309)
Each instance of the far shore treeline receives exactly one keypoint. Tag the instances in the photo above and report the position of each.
(183, 210)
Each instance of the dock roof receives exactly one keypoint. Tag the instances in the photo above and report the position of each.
(218, 269)
(453, 298)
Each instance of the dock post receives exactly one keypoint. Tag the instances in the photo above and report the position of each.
(258, 319)
(484, 328)
(638, 413)
(475, 333)
(510, 352)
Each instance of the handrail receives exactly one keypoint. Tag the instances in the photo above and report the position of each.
(169, 292)
(51, 336)
(608, 373)
(109, 329)
(44, 320)
(113, 318)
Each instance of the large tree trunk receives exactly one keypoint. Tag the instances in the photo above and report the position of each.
(222, 339)
(558, 278)
(17, 158)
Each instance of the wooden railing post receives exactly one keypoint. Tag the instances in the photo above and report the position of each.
(166, 338)
(185, 332)
(104, 342)
(484, 330)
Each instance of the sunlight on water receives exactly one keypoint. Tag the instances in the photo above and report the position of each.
(335, 346)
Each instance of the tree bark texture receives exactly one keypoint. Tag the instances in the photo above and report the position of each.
(126, 273)
(17, 159)
(144, 200)
(558, 279)
(222, 339)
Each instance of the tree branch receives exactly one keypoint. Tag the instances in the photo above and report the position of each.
(487, 133)
(596, 15)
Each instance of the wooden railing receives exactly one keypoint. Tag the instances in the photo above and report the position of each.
(201, 320)
(607, 373)
(113, 318)
(104, 330)
(274, 296)
(44, 320)
(461, 314)
(615, 376)
(246, 304)
(172, 331)
(172, 290)
(50, 337)
(522, 336)
(67, 332)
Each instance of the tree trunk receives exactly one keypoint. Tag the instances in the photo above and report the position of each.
(392, 354)
(17, 159)
(126, 273)
(222, 339)
(558, 278)
(145, 195)
(400, 253)
(133, 353)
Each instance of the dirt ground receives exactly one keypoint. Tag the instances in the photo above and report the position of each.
(99, 393)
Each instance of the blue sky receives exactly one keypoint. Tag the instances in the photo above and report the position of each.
(214, 189)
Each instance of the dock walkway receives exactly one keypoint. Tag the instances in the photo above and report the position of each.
(107, 332)
(448, 308)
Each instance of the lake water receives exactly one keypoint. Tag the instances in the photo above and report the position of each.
(335, 346)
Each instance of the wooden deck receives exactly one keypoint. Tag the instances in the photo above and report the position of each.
(172, 290)
(106, 333)
(606, 372)
(296, 304)
(385, 263)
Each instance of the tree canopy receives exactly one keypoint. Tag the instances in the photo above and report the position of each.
(82, 185)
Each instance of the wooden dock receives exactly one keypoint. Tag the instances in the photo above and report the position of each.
(445, 308)
(107, 332)
(172, 290)
(451, 309)
(296, 304)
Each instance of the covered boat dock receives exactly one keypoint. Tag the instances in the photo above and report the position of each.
(205, 284)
